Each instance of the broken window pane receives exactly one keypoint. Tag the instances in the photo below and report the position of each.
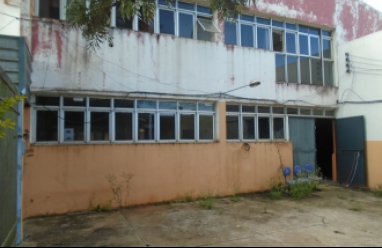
(146, 124)
(248, 127)
(304, 44)
(47, 126)
(206, 127)
(264, 128)
(247, 35)
(327, 49)
(145, 26)
(232, 123)
(230, 33)
(74, 129)
(120, 21)
(328, 73)
(314, 46)
(316, 68)
(278, 128)
(49, 9)
(291, 43)
(123, 126)
(186, 25)
(278, 40)
(167, 126)
(187, 126)
(304, 70)
(263, 39)
(166, 22)
(280, 68)
(99, 126)
(292, 69)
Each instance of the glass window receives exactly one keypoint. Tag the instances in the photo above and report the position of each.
(49, 9)
(249, 109)
(75, 102)
(167, 126)
(123, 126)
(205, 28)
(326, 33)
(122, 22)
(166, 22)
(187, 106)
(203, 9)
(264, 128)
(319, 112)
(291, 43)
(314, 46)
(187, 126)
(290, 26)
(263, 39)
(246, 18)
(292, 69)
(280, 68)
(186, 6)
(74, 129)
(314, 31)
(167, 105)
(303, 29)
(278, 40)
(47, 126)
(146, 124)
(95, 102)
(123, 103)
(233, 108)
(248, 127)
(278, 110)
(264, 110)
(316, 69)
(232, 123)
(328, 73)
(304, 44)
(278, 128)
(304, 111)
(247, 35)
(206, 127)
(329, 112)
(186, 25)
(263, 21)
(292, 111)
(230, 33)
(163, 2)
(327, 49)
(304, 70)
(205, 106)
(47, 101)
(99, 126)
(277, 24)
(147, 104)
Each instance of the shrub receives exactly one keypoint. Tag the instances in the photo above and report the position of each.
(301, 189)
(207, 202)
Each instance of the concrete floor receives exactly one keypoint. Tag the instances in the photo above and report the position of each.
(334, 216)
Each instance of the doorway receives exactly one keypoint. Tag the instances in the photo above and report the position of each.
(324, 147)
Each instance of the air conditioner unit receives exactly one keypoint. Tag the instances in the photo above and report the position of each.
(13, 2)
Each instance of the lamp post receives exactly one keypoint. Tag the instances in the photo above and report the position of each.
(252, 84)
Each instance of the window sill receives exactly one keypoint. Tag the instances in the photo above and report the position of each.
(121, 143)
(315, 85)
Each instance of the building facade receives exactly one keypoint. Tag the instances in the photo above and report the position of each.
(170, 101)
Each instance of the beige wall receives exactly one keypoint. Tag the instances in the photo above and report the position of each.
(65, 178)
(374, 164)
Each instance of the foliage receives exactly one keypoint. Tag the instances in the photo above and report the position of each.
(5, 106)
(207, 202)
(93, 18)
(378, 191)
(301, 189)
(234, 198)
(357, 209)
(120, 189)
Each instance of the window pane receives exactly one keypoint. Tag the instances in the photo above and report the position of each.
(123, 126)
(263, 38)
(145, 26)
(278, 128)
(278, 40)
(264, 129)
(316, 68)
(187, 106)
(326, 33)
(264, 110)
(230, 33)
(47, 101)
(94, 102)
(47, 126)
(167, 105)
(246, 18)
(304, 45)
(328, 72)
(292, 69)
(303, 29)
(205, 32)
(249, 109)
(291, 43)
(123, 103)
(204, 106)
(74, 126)
(99, 126)
(247, 36)
(314, 31)
(166, 22)
(304, 70)
(167, 126)
(187, 126)
(80, 102)
(263, 21)
(50, 9)
(314, 46)
(278, 110)
(319, 112)
(292, 111)
(304, 111)
(122, 22)
(206, 127)
(277, 24)
(280, 68)
(147, 104)
(248, 127)
(203, 9)
(327, 49)
(186, 6)
(329, 112)
(186, 25)
(232, 127)
(162, 2)
(146, 123)
(233, 108)
(291, 26)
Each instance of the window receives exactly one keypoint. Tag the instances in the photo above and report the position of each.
(251, 123)
(87, 120)
(54, 9)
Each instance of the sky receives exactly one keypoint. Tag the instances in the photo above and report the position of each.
(375, 3)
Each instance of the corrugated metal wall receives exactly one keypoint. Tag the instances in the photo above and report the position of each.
(8, 169)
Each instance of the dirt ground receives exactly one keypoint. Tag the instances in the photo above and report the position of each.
(334, 216)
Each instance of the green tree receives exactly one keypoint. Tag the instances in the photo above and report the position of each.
(6, 105)
(93, 17)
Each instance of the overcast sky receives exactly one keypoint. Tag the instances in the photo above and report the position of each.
(375, 3)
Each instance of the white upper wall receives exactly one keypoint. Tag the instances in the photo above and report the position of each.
(360, 88)
(9, 25)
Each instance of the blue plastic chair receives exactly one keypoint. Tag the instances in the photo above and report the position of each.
(287, 172)
(308, 169)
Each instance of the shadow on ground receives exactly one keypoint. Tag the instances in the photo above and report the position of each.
(334, 216)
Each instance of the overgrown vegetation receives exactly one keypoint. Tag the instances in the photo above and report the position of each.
(5, 106)
(357, 209)
(207, 202)
(234, 198)
(301, 189)
(378, 191)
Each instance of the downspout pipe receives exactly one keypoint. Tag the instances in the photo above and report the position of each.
(20, 152)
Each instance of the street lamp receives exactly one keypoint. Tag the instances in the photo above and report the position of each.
(253, 83)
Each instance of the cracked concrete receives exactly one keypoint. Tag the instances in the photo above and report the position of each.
(334, 216)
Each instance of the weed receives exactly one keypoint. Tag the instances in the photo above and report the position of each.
(234, 198)
(301, 189)
(103, 208)
(378, 191)
(171, 206)
(265, 208)
(357, 209)
(207, 202)
(276, 195)
(121, 189)
(189, 198)
(342, 197)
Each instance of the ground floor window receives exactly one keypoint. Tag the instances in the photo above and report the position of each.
(86, 120)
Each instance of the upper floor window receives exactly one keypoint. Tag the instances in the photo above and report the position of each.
(54, 9)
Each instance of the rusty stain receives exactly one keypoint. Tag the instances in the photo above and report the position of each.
(232, 80)
(158, 38)
(59, 47)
